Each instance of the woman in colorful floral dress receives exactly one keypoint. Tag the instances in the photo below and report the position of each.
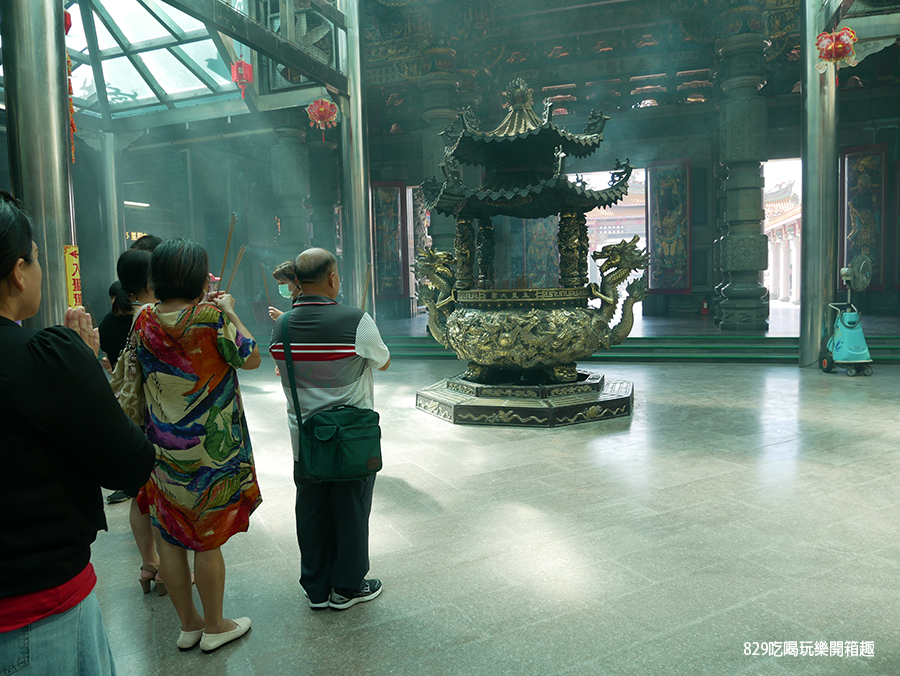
(204, 487)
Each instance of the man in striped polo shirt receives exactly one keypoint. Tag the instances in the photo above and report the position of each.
(334, 349)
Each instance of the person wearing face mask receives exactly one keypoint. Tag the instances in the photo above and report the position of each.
(288, 287)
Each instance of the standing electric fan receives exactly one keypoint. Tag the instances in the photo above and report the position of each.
(847, 345)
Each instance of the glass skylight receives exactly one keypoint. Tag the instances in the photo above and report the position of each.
(170, 73)
(155, 58)
(135, 22)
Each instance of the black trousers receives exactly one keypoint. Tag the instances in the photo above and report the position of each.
(333, 534)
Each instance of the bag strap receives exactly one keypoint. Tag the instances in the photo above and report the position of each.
(289, 364)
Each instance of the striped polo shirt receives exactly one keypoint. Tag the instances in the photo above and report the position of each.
(334, 348)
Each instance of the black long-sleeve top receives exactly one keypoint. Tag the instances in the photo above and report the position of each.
(62, 437)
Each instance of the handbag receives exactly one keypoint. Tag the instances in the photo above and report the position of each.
(127, 380)
(342, 443)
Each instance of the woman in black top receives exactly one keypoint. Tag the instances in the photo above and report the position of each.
(62, 437)
(133, 291)
(133, 270)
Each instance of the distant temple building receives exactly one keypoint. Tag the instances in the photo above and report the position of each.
(783, 229)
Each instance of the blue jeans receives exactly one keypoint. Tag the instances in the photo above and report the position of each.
(72, 643)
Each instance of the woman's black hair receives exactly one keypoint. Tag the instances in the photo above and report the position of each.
(133, 270)
(15, 234)
(179, 268)
(285, 272)
(147, 243)
(114, 288)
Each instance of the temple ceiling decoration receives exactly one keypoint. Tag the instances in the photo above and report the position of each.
(620, 55)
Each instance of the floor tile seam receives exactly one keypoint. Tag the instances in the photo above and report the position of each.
(658, 635)
(787, 578)
(859, 528)
(770, 660)
(842, 469)
(819, 571)
(813, 633)
(515, 630)
(823, 636)
(687, 573)
(367, 626)
(858, 559)
(712, 502)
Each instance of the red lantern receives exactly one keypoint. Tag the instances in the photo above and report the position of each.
(242, 74)
(835, 47)
(322, 114)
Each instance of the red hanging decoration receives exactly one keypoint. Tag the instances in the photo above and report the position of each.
(835, 47)
(242, 74)
(322, 114)
(72, 127)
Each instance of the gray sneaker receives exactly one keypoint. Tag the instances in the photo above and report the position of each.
(341, 599)
(117, 496)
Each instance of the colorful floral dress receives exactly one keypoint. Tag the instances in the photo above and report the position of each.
(203, 488)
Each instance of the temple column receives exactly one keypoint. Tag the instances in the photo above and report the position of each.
(439, 100)
(573, 248)
(37, 110)
(821, 201)
(774, 275)
(785, 286)
(721, 205)
(112, 208)
(290, 186)
(742, 127)
(485, 253)
(795, 270)
(464, 247)
(355, 186)
(323, 183)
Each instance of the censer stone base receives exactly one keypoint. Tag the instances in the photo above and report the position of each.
(463, 402)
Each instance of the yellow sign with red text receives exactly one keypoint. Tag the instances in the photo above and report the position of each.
(73, 276)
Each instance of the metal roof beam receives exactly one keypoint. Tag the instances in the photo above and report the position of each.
(229, 21)
(160, 15)
(203, 111)
(90, 34)
(135, 59)
(155, 43)
(197, 70)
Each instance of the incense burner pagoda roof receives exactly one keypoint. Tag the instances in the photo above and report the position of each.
(538, 136)
(524, 161)
(544, 198)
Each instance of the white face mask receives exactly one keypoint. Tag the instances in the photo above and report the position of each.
(284, 290)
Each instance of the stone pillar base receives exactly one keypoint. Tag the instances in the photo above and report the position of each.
(743, 315)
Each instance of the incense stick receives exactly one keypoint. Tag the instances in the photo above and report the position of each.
(235, 268)
(227, 246)
(266, 284)
(366, 290)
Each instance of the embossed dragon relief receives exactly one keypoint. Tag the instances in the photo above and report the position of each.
(547, 340)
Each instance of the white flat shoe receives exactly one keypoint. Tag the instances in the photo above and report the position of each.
(188, 639)
(210, 642)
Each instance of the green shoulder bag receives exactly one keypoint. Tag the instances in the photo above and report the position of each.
(338, 444)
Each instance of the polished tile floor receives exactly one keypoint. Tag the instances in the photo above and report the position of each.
(740, 509)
